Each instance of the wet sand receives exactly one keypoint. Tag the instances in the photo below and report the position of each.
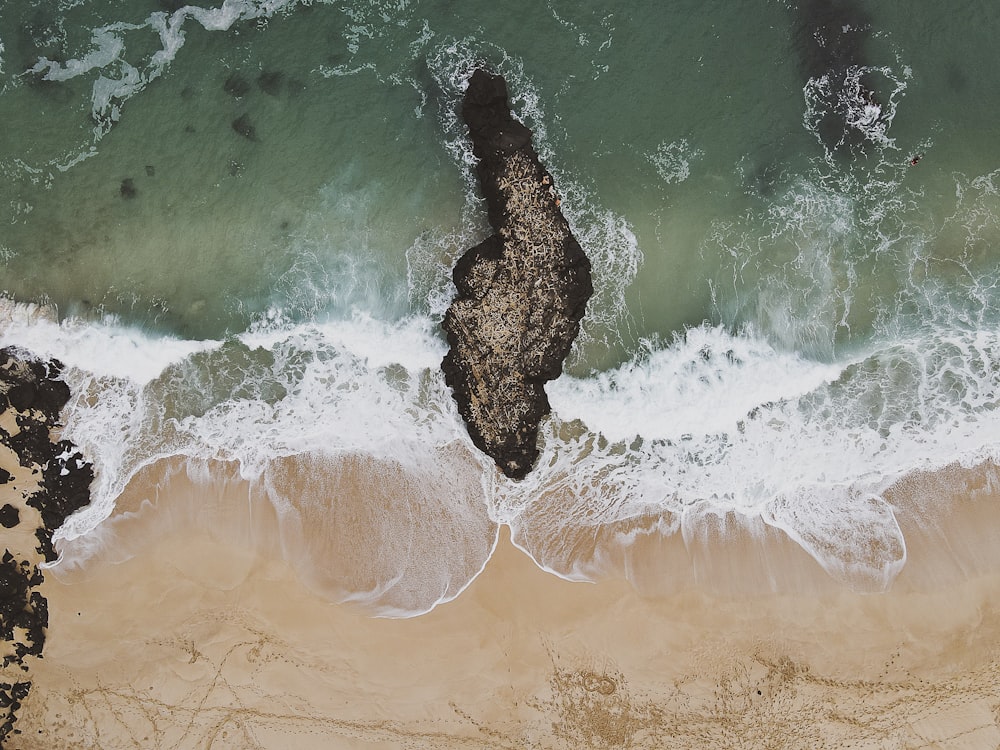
(196, 642)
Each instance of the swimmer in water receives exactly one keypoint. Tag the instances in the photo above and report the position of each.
(916, 159)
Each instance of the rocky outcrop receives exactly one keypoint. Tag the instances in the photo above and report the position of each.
(521, 292)
(44, 481)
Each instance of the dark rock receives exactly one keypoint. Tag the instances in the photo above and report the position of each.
(11, 695)
(4, 476)
(270, 82)
(63, 489)
(21, 607)
(128, 190)
(244, 127)
(236, 85)
(66, 476)
(18, 368)
(9, 516)
(521, 292)
(21, 396)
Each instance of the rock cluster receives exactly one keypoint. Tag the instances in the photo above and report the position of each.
(521, 292)
(53, 480)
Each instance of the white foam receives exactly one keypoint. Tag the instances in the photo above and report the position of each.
(706, 381)
(854, 536)
(806, 447)
(118, 79)
(107, 47)
(672, 161)
(358, 385)
(848, 99)
(104, 349)
(710, 423)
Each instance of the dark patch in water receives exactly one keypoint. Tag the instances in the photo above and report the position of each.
(236, 85)
(270, 82)
(244, 127)
(150, 170)
(128, 189)
(957, 80)
(172, 6)
(235, 168)
(41, 36)
(830, 35)
(829, 38)
(189, 129)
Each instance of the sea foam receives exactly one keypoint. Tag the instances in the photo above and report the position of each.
(118, 80)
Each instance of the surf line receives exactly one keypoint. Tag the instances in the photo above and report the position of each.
(521, 292)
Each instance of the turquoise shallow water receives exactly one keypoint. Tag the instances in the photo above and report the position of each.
(788, 314)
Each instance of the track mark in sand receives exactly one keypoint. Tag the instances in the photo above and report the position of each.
(765, 701)
(227, 696)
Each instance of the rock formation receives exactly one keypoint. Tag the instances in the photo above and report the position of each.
(521, 292)
(51, 480)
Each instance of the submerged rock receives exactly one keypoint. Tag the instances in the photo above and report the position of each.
(521, 292)
(128, 190)
(269, 81)
(244, 127)
(236, 85)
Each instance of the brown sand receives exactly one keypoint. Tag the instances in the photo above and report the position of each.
(196, 642)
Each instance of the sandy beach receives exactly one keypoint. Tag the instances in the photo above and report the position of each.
(196, 642)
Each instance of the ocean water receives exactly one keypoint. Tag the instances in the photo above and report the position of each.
(235, 223)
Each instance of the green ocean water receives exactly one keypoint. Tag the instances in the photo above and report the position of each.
(776, 283)
(672, 118)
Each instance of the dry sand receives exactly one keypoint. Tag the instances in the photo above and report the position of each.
(196, 643)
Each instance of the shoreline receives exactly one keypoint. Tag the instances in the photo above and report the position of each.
(193, 642)
(197, 641)
(186, 627)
